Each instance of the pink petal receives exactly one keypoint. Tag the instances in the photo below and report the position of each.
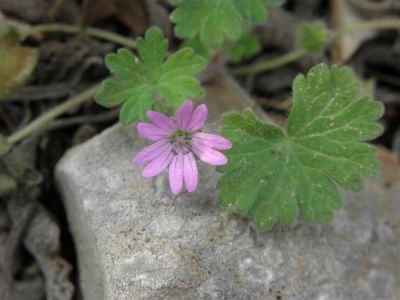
(156, 166)
(151, 152)
(184, 114)
(162, 121)
(198, 119)
(190, 173)
(212, 140)
(209, 155)
(152, 132)
(176, 174)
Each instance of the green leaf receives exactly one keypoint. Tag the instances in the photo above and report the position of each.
(253, 11)
(137, 82)
(313, 36)
(17, 63)
(274, 2)
(215, 20)
(198, 47)
(246, 47)
(273, 175)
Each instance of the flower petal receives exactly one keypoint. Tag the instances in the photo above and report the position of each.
(162, 121)
(198, 119)
(156, 166)
(151, 152)
(176, 174)
(151, 132)
(212, 140)
(190, 173)
(209, 155)
(184, 114)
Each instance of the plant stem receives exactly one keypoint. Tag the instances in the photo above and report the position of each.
(52, 114)
(376, 24)
(299, 53)
(270, 64)
(95, 32)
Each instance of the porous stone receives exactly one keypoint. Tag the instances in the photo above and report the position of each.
(135, 241)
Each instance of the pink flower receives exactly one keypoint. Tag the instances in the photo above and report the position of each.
(176, 144)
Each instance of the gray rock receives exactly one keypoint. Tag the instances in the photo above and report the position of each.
(135, 241)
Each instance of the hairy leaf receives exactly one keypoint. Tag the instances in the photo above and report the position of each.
(215, 20)
(137, 82)
(273, 175)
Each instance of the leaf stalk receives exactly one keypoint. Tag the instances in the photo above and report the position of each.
(94, 32)
(52, 114)
(271, 64)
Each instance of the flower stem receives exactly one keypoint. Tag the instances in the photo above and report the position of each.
(270, 64)
(52, 114)
(95, 32)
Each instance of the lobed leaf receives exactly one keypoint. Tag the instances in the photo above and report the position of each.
(215, 20)
(274, 176)
(137, 82)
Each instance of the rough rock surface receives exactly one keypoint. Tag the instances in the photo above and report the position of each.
(135, 241)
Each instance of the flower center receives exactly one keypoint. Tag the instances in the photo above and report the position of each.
(181, 142)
